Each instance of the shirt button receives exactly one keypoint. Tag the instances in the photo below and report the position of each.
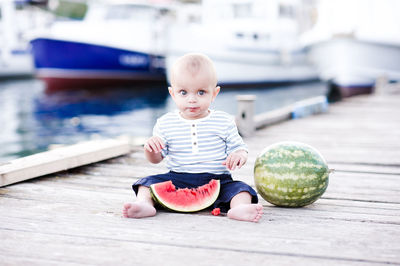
(194, 143)
(194, 134)
(193, 125)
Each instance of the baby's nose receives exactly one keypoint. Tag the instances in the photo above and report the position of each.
(192, 98)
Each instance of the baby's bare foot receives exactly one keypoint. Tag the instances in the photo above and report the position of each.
(138, 209)
(246, 212)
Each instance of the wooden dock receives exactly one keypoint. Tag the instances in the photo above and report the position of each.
(74, 217)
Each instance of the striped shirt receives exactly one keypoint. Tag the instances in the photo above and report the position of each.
(201, 145)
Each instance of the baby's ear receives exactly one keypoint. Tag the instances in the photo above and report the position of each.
(170, 90)
(216, 91)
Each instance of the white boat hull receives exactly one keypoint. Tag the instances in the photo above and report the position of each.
(15, 65)
(355, 63)
(254, 68)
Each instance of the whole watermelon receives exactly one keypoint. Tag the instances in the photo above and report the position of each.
(291, 174)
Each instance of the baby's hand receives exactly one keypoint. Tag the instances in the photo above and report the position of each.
(154, 144)
(237, 158)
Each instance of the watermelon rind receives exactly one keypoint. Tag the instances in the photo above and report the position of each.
(291, 174)
(206, 202)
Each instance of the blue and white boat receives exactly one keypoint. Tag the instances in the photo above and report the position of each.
(116, 43)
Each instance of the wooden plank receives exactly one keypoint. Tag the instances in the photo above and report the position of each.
(110, 206)
(366, 168)
(342, 184)
(273, 117)
(100, 198)
(75, 250)
(137, 170)
(291, 235)
(311, 106)
(247, 121)
(61, 159)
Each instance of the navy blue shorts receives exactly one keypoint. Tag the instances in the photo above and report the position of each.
(229, 187)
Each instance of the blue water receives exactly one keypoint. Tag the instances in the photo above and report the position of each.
(33, 118)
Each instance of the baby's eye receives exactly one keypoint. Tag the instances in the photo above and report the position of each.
(201, 92)
(182, 92)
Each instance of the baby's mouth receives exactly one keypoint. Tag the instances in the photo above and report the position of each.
(192, 109)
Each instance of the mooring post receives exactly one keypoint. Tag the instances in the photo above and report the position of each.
(381, 84)
(245, 115)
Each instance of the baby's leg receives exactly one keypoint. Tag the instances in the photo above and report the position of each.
(142, 207)
(242, 209)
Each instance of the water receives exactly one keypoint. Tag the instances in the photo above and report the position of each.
(33, 118)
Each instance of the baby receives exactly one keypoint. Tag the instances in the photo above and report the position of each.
(198, 143)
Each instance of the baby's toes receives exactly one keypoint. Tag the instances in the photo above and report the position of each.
(256, 219)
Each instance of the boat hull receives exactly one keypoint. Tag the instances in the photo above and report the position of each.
(62, 63)
(16, 64)
(354, 65)
(238, 68)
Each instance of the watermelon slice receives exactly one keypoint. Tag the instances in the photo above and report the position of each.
(185, 199)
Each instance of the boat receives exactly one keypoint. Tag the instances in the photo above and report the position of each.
(116, 43)
(16, 19)
(353, 43)
(250, 41)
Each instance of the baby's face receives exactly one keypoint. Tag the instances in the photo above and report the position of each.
(193, 95)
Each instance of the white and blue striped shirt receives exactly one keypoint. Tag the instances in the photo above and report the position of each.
(201, 145)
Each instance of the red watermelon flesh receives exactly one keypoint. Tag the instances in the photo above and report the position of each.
(185, 199)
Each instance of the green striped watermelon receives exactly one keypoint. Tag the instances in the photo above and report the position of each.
(291, 174)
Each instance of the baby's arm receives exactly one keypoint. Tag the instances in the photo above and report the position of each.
(152, 149)
(237, 158)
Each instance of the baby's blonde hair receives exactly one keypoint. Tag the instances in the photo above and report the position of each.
(192, 64)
